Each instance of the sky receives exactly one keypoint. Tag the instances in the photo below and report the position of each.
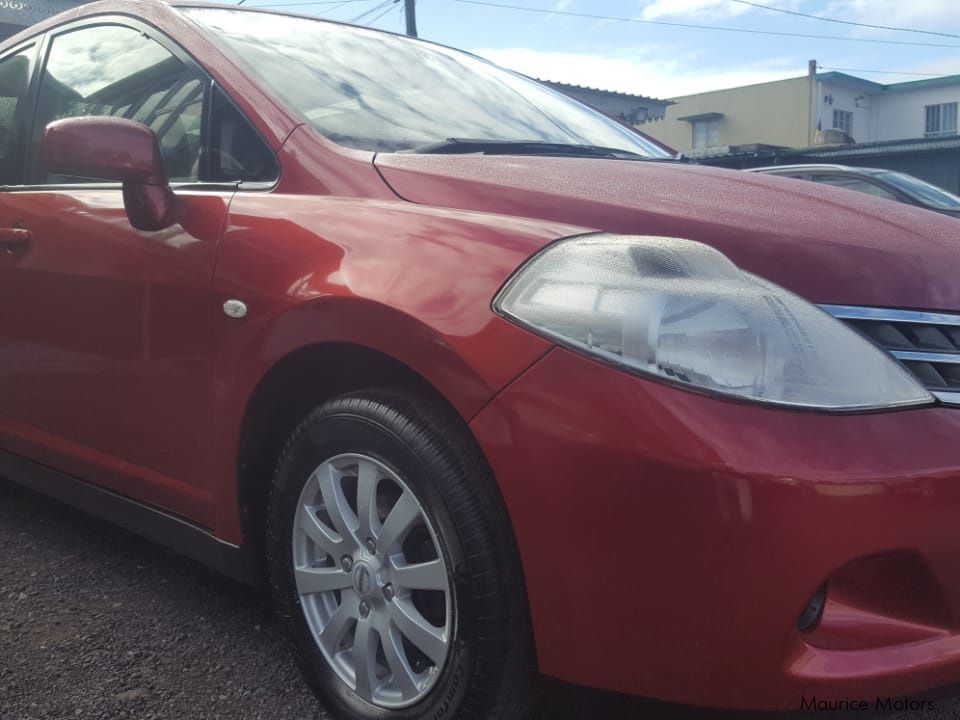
(663, 60)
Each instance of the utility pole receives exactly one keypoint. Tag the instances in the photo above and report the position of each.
(411, 6)
(814, 100)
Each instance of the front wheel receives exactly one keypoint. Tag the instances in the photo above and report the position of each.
(393, 566)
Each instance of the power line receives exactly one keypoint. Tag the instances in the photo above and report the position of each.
(370, 11)
(327, 11)
(809, 16)
(373, 22)
(702, 27)
(302, 4)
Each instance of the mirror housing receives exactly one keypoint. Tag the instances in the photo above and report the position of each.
(114, 150)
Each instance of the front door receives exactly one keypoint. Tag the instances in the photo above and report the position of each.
(105, 356)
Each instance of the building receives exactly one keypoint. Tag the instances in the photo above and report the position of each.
(631, 109)
(774, 113)
(794, 113)
(15, 15)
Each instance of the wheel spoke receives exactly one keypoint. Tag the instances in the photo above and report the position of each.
(318, 580)
(403, 674)
(332, 634)
(422, 576)
(323, 536)
(415, 628)
(401, 518)
(365, 643)
(335, 502)
(361, 578)
(367, 500)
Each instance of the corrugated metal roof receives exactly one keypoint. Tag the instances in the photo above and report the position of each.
(615, 93)
(886, 146)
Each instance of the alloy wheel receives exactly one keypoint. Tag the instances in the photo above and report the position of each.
(372, 580)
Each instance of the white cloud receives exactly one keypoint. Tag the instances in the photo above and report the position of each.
(936, 15)
(701, 9)
(941, 66)
(650, 75)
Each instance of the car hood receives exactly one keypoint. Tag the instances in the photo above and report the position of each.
(826, 244)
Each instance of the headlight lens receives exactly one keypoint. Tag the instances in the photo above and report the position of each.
(681, 311)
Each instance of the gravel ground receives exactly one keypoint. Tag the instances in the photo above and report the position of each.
(97, 623)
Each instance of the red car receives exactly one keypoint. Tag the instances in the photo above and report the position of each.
(478, 380)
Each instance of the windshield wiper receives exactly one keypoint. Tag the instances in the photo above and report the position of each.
(465, 146)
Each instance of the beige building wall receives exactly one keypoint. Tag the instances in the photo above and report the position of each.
(773, 113)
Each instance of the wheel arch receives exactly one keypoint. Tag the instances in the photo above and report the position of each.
(295, 385)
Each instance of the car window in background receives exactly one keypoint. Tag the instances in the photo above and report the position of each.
(853, 183)
(118, 71)
(375, 91)
(922, 191)
(14, 75)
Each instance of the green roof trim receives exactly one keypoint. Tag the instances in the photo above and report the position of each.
(844, 79)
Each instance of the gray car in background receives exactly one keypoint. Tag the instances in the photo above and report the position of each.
(887, 184)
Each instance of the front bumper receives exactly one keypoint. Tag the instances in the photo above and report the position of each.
(670, 540)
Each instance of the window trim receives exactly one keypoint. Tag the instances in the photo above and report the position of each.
(43, 43)
(22, 118)
(707, 124)
(940, 132)
(846, 114)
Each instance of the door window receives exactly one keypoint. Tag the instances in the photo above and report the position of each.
(118, 71)
(14, 76)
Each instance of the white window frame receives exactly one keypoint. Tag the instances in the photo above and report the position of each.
(706, 133)
(843, 120)
(940, 119)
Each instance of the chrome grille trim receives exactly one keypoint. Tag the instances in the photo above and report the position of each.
(930, 357)
(850, 312)
(906, 335)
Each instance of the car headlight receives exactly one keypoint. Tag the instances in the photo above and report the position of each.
(681, 311)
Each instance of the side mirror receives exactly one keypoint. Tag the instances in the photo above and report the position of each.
(116, 150)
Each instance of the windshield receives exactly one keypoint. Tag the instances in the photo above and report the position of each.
(921, 190)
(375, 91)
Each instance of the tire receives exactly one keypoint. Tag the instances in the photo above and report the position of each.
(446, 632)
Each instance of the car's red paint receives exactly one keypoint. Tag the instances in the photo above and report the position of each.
(736, 516)
(830, 247)
(413, 283)
(118, 150)
(692, 530)
(105, 364)
(103, 148)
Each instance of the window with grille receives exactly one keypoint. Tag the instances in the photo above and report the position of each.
(843, 120)
(706, 133)
(940, 119)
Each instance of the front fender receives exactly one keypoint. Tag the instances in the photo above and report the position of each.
(411, 282)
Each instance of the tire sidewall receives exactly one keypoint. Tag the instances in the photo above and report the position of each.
(325, 436)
